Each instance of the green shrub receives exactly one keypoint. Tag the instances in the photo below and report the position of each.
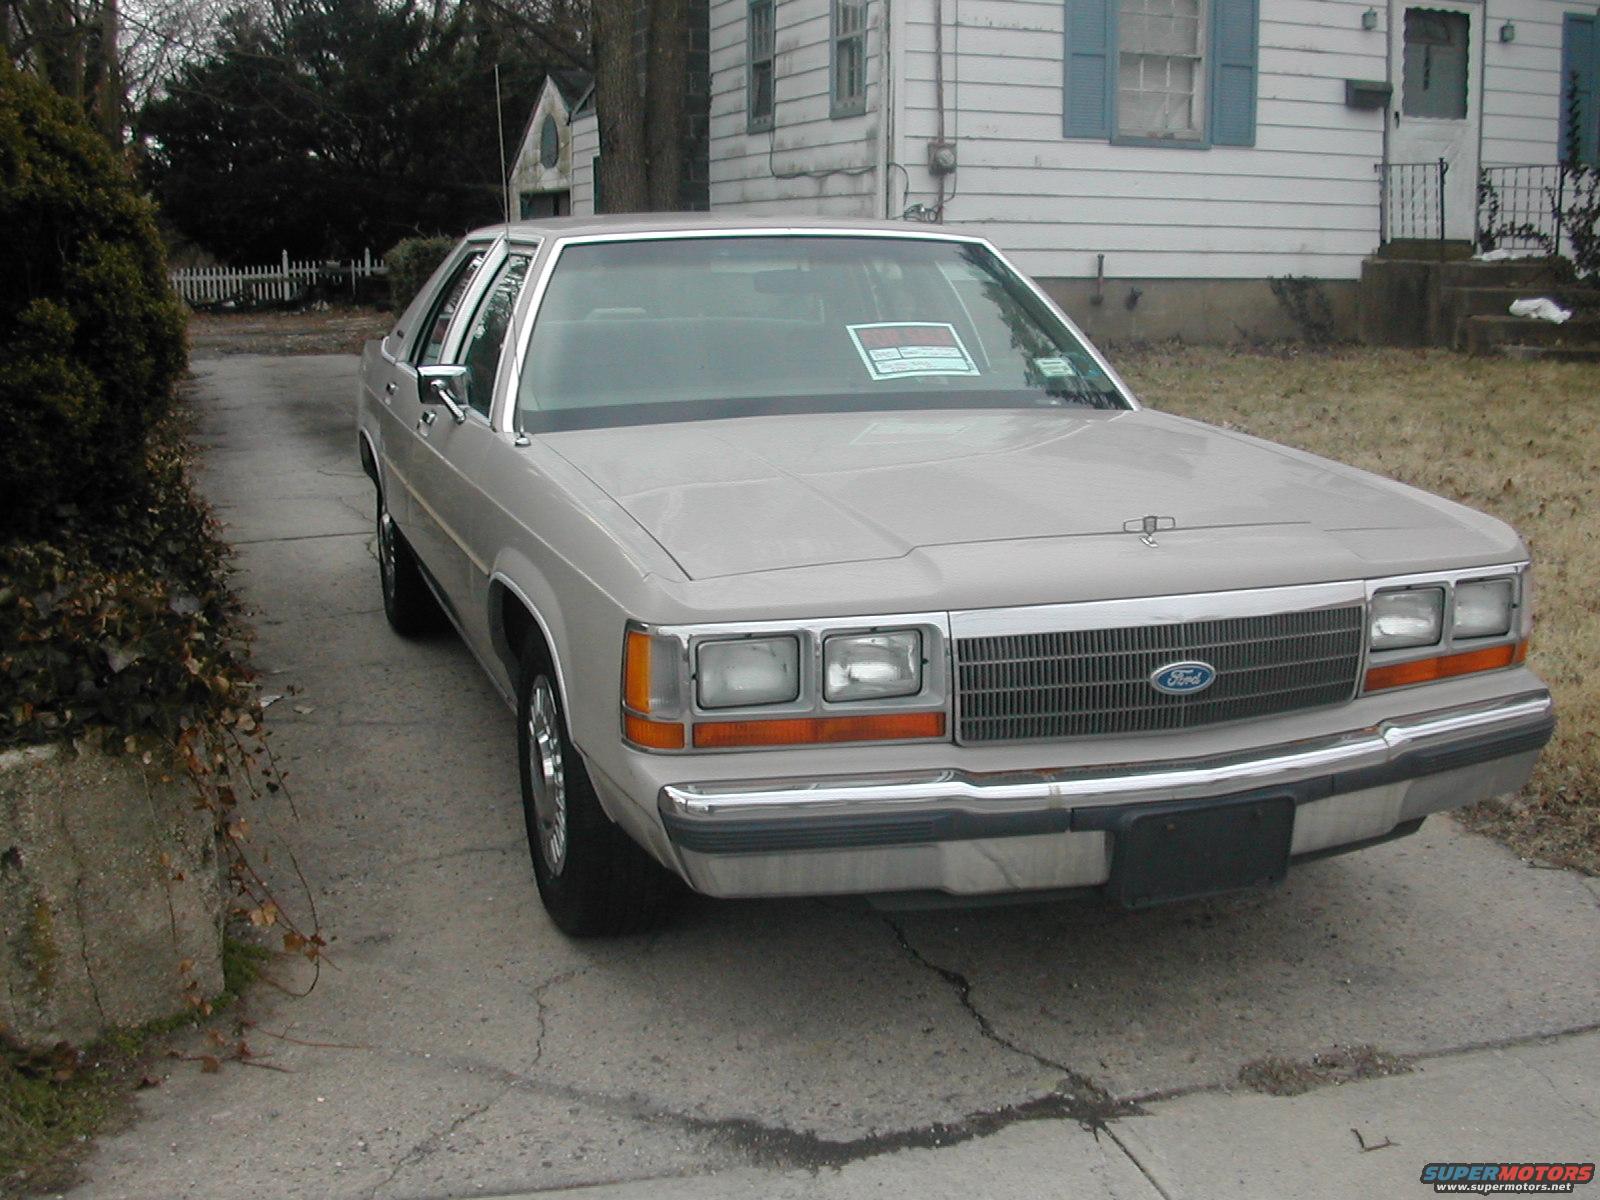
(410, 262)
(94, 339)
(125, 625)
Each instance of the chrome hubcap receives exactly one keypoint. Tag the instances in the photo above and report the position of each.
(386, 552)
(548, 776)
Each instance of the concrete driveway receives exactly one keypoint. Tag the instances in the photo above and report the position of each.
(457, 1045)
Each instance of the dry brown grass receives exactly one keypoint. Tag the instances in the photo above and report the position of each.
(1520, 440)
(328, 331)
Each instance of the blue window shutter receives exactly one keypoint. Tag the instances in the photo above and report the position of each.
(1233, 72)
(1090, 30)
(1580, 64)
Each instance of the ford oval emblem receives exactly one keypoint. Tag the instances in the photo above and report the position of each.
(1183, 678)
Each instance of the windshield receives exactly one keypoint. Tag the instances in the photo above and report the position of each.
(690, 328)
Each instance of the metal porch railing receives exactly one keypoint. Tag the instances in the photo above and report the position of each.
(1411, 200)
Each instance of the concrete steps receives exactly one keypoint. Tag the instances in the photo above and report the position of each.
(1464, 304)
(1458, 304)
(1522, 337)
(1513, 272)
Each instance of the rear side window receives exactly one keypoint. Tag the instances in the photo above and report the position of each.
(481, 354)
(438, 324)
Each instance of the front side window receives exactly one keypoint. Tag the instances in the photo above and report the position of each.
(849, 67)
(763, 30)
(481, 354)
(675, 329)
(431, 345)
(1160, 75)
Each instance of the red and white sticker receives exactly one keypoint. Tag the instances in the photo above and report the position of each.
(897, 349)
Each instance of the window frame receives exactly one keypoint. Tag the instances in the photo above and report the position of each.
(1204, 61)
(854, 106)
(761, 122)
(1097, 23)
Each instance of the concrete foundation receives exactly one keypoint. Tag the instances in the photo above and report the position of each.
(111, 900)
(1197, 310)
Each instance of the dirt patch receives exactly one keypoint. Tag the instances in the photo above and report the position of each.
(1516, 439)
(328, 331)
(1343, 1064)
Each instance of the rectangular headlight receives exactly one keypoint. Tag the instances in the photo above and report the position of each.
(1483, 608)
(872, 666)
(748, 671)
(1404, 618)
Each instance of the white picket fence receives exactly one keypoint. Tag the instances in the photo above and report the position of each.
(280, 282)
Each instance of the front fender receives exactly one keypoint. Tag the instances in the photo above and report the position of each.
(513, 572)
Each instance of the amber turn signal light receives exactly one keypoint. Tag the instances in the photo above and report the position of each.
(636, 672)
(800, 731)
(1426, 670)
(652, 735)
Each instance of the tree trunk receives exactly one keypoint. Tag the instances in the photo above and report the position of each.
(108, 97)
(668, 54)
(624, 173)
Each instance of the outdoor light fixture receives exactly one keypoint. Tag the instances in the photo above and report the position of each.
(1369, 19)
(1508, 32)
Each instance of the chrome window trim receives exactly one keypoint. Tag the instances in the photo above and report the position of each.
(494, 257)
(409, 340)
(937, 680)
(556, 246)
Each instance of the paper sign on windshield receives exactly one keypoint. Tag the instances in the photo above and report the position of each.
(897, 349)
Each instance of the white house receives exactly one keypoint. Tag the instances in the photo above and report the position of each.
(541, 176)
(1153, 162)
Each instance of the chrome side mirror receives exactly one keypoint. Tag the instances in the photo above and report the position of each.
(446, 384)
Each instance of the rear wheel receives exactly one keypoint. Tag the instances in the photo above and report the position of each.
(594, 879)
(407, 603)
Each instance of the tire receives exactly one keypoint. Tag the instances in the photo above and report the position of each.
(410, 607)
(595, 881)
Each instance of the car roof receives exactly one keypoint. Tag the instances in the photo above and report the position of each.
(669, 223)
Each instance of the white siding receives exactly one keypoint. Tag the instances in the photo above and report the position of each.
(1522, 81)
(810, 161)
(1303, 200)
(585, 145)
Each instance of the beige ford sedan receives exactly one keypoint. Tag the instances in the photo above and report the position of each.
(832, 558)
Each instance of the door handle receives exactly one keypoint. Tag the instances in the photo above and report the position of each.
(428, 417)
(390, 388)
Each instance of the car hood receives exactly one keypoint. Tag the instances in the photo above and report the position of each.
(754, 494)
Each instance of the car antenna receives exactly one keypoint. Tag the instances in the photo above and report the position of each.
(500, 130)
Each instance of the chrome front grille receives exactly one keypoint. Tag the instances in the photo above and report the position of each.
(1019, 687)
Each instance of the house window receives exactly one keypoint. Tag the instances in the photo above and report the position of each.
(1160, 83)
(1172, 72)
(849, 70)
(1434, 75)
(762, 42)
(1579, 113)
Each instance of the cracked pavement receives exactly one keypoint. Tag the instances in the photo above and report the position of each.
(804, 1047)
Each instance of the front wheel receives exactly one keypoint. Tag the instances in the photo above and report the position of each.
(595, 881)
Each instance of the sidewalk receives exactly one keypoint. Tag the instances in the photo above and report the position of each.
(1523, 1103)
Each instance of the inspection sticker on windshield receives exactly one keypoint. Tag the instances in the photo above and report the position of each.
(1054, 368)
(896, 349)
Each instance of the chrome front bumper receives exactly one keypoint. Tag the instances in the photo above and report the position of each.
(974, 833)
